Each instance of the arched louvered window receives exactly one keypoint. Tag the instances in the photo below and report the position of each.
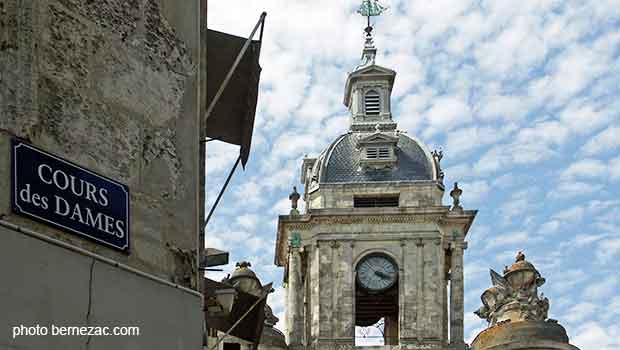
(372, 103)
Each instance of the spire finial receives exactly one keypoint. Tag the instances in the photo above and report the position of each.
(369, 8)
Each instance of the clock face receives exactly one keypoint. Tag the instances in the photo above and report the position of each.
(377, 272)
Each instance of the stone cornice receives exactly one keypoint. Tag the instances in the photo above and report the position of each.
(370, 216)
(462, 219)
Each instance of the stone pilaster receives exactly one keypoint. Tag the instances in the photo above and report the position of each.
(346, 302)
(444, 294)
(407, 298)
(421, 307)
(456, 296)
(435, 289)
(315, 301)
(295, 295)
(325, 292)
(336, 289)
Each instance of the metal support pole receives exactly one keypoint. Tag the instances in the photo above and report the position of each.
(219, 196)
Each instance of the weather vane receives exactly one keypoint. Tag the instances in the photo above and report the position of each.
(370, 8)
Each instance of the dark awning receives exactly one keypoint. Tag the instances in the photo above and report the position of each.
(232, 118)
(251, 326)
(214, 257)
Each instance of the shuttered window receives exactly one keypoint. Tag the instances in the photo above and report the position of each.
(372, 103)
(377, 153)
(384, 153)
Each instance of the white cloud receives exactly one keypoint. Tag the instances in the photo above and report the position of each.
(608, 250)
(585, 168)
(463, 141)
(474, 192)
(592, 336)
(580, 311)
(493, 160)
(509, 239)
(248, 221)
(582, 118)
(277, 299)
(573, 189)
(550, 227)
(574, 214)
(572, 278)
(516, 48)
(614, 169)
(502, 107)
(446, 113)
(519, 97)
(517, 206)
(282, 207)
(605, 141)
(602, 288)
(220, 157)
(249, 192)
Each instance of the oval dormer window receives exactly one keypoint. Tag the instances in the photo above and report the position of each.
(372, 103)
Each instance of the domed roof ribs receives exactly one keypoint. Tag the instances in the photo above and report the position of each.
(327, 158)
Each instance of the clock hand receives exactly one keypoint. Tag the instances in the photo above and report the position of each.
(382, 275)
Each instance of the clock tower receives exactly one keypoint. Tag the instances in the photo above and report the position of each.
(375, 244)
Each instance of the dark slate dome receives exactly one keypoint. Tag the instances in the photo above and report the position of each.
(340, 163)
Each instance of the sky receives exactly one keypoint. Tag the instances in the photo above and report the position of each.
(523, 99)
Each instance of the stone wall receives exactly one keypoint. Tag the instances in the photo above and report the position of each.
(112, 86)
(427, 243)
(334, 244)
(48, 285)
(342, 195)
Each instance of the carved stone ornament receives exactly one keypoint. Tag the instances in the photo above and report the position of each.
(295, 240)
(368, 219)
(437, 156)
(514, 296)
(270, 318)
(343, 346)
(185, 266)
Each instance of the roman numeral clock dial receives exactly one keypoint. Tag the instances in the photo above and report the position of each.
(377, 273)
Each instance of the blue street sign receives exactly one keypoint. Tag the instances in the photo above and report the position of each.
(67, 196)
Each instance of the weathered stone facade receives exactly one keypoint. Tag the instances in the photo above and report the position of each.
(116, 87)
(112, 86)
(427, 244)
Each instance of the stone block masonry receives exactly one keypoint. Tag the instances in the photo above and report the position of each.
(112, 86)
